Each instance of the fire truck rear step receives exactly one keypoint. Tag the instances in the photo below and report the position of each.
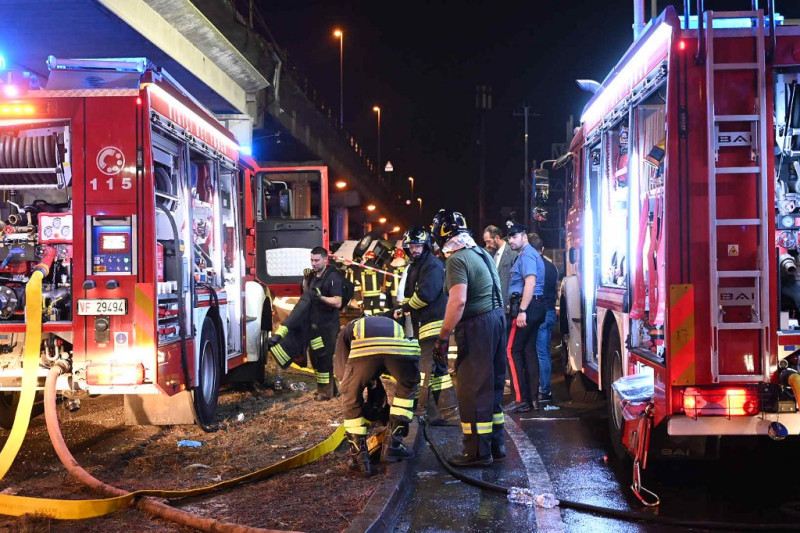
(754, 148)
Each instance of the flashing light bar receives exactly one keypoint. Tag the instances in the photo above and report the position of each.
(122, 64)
(17, 109)
(246, 150)
(649, 55)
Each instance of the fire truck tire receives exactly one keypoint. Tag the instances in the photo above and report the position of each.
(612, 370)
(8, 407)
(206, 393)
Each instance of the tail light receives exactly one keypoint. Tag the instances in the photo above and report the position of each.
(115, 374)
(722, 401)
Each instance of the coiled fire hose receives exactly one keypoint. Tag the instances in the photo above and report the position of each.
(604, 511)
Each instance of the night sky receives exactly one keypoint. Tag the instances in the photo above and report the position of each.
(421, 62)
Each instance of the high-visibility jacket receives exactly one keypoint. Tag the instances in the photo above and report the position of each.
(373, 335)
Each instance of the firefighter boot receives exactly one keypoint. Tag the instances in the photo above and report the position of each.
(324, 392)
(393, 448)
(358, 455)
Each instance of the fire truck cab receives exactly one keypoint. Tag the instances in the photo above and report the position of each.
(680, 299)
(154, 224)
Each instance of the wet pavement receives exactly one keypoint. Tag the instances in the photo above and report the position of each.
(568, 451)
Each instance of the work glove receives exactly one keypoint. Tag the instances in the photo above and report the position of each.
(440, 347)
(307, 272)
(273, 341)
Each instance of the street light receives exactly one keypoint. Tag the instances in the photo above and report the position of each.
(382, 220)
(378, 111)
(412, 185)
(420, 204)
(371, 207)
(340, 34)
(341, 184)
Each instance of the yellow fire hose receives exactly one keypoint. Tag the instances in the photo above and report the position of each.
(81, 509)
(30, 368)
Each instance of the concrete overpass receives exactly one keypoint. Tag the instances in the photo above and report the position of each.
(223, 54)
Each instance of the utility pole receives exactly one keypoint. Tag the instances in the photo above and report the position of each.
(526, 180)
(483, 103)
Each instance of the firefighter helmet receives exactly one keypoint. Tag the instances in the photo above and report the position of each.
(446, 225)
(416, 235)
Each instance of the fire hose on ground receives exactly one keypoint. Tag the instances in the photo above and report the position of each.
(13, 505)
(604, 511)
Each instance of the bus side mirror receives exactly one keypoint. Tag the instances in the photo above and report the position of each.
(572, 256)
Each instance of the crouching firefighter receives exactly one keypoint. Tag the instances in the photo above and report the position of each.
(366, 348)
(426, 302)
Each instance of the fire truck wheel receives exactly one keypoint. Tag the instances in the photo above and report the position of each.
(8, 407)
(206, 394)
(612, 370)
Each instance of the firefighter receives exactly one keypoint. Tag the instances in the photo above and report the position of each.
(315, 320)
(396, 267)
(426, 303)
(367, 347)
(475, 311)
(371, 282)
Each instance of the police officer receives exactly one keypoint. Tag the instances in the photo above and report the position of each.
(367, 347)
(526, 298)
(474, 311)
(426, 303)
(315, 320)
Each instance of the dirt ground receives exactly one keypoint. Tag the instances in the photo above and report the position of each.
(257, 427)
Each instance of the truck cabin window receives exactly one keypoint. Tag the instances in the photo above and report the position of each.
(289, 195)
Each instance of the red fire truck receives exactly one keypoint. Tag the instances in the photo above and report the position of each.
(163, 253)
(684, 212)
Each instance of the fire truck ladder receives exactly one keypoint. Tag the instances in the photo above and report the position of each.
(758, 291)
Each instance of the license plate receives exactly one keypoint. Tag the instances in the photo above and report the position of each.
(115, 306)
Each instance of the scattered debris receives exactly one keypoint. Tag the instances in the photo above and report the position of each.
(240, 417)
(189, 444)
(426, 474)
(197, 465)
(551, 408)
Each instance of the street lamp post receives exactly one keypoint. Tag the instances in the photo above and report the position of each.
(420, 204)
(411, 180)
(380, 167)
(340, 34)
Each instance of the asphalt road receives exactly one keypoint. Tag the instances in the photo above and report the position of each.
(567, 452)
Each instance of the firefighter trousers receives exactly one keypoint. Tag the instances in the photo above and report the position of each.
(360, 371)
(323, 344)
(523, 358)
(481, 375)
(437, 397)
